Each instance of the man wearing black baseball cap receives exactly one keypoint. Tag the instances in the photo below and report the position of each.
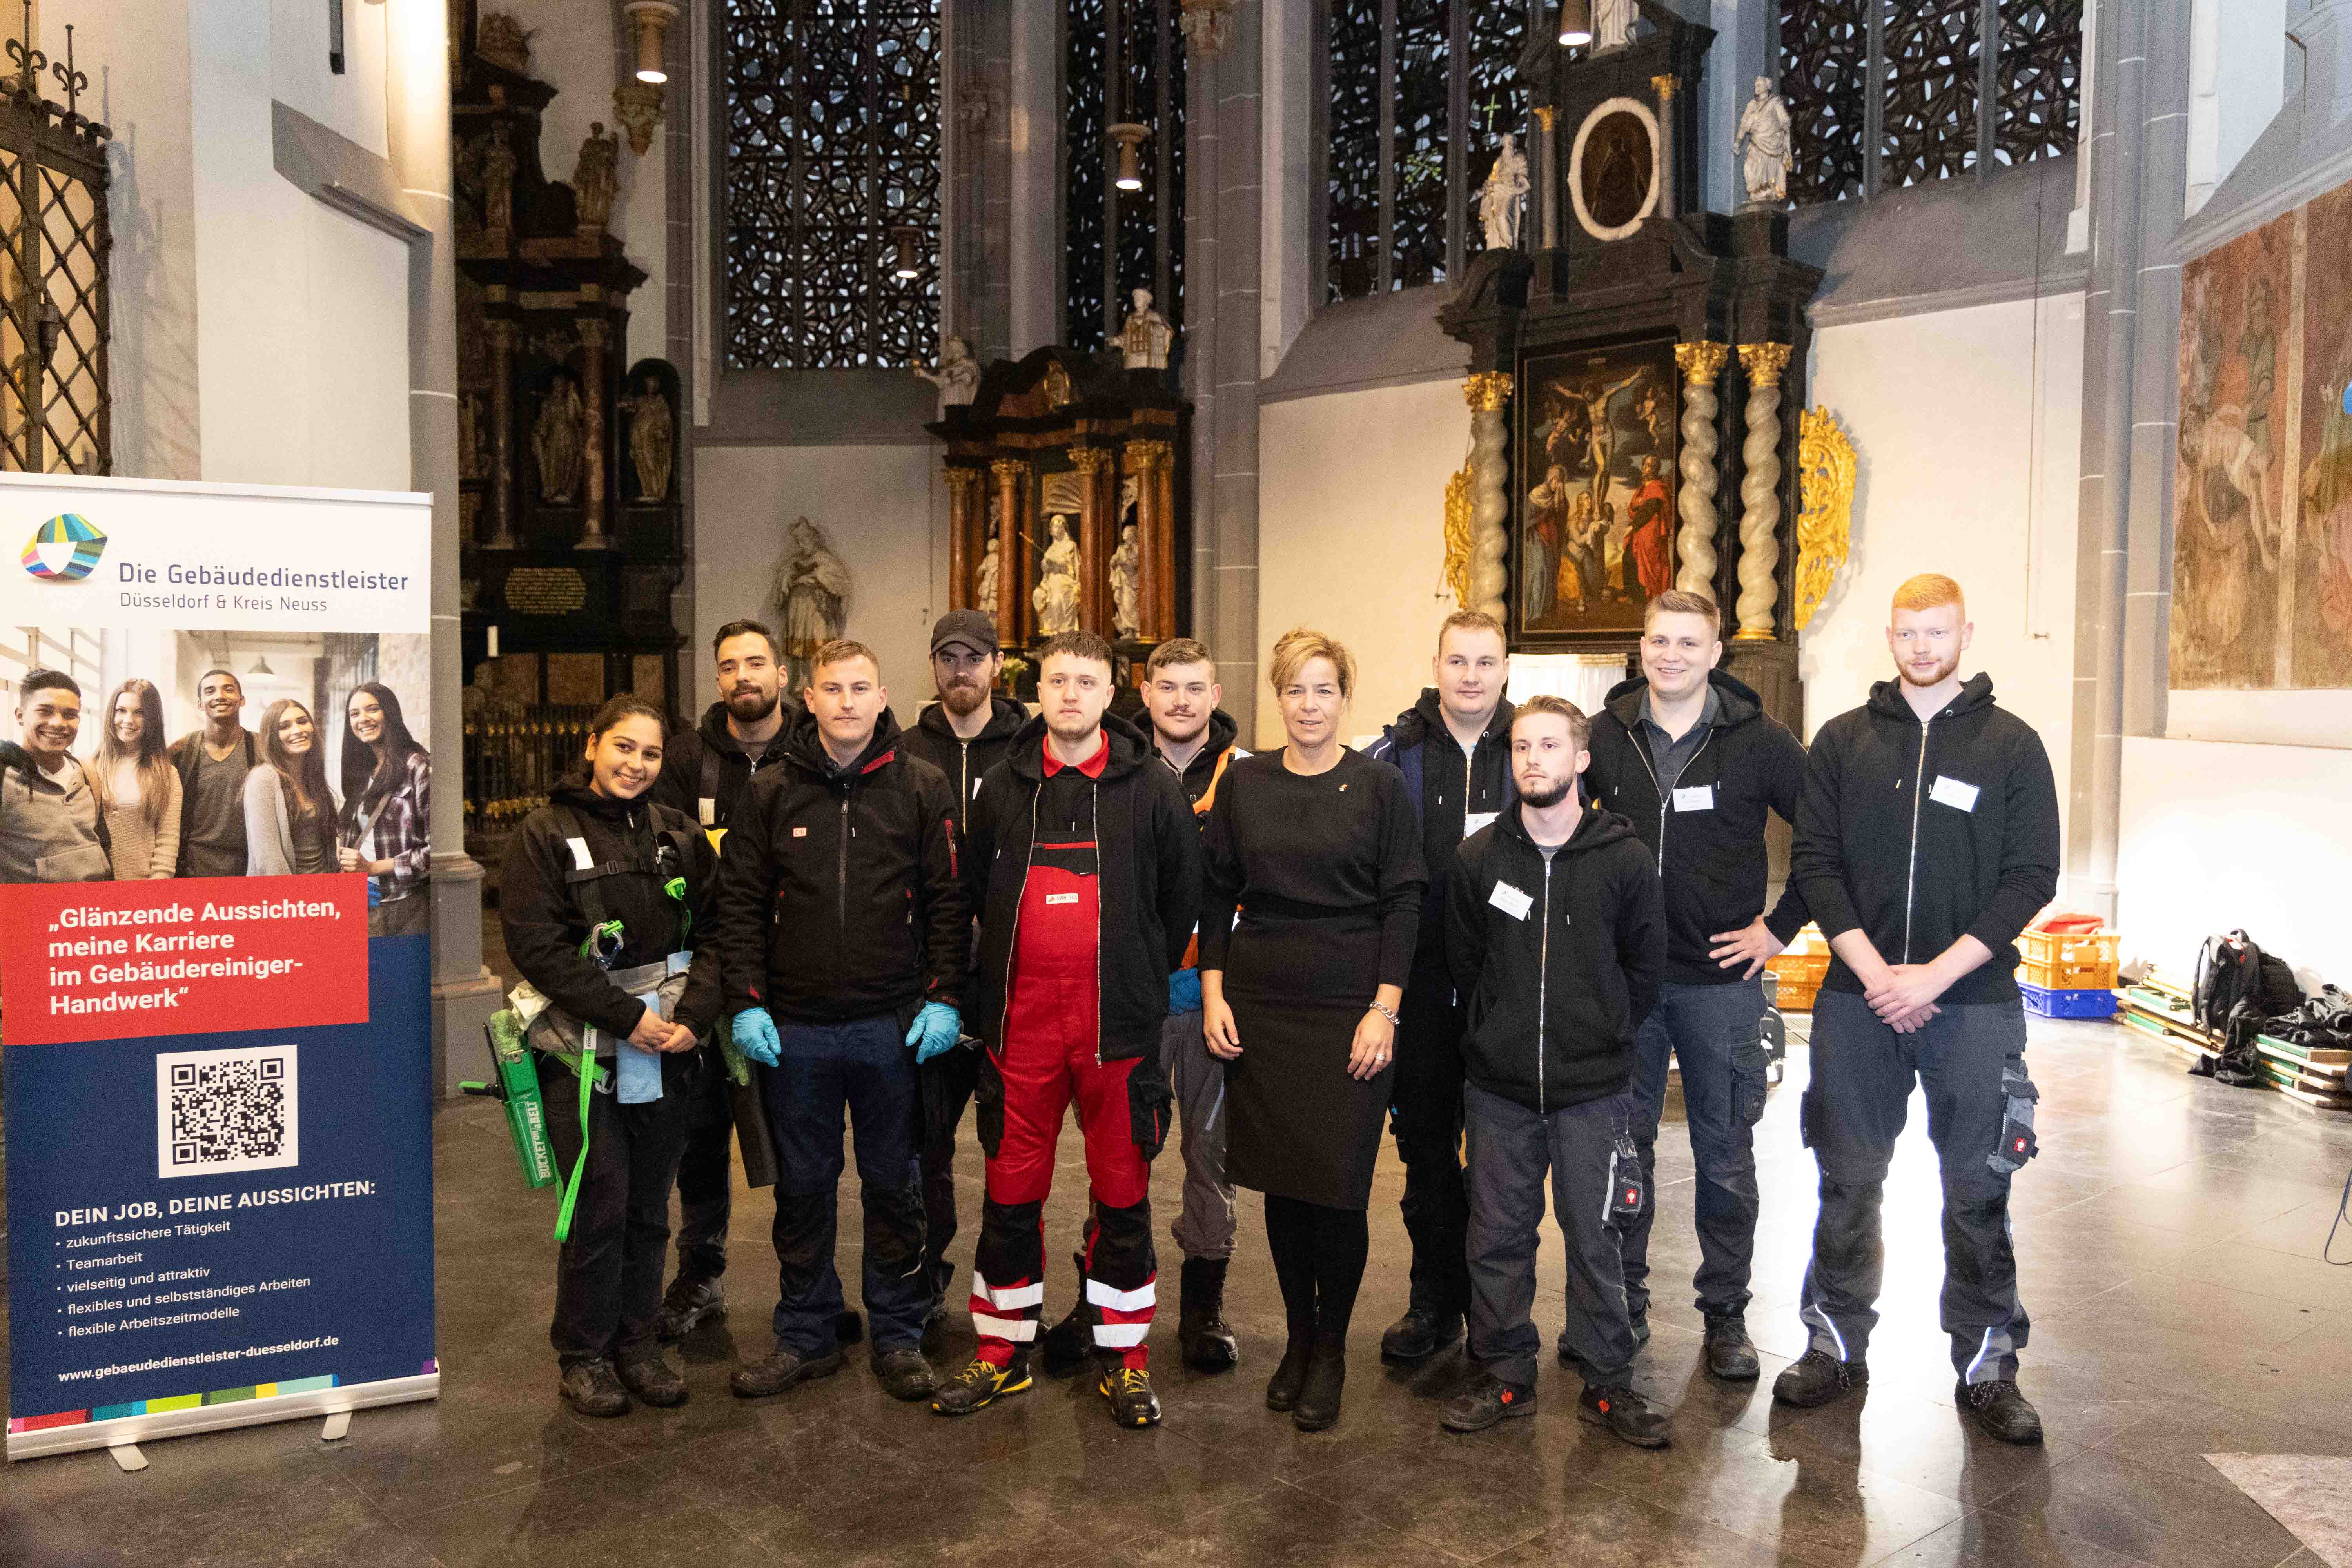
(968, 730)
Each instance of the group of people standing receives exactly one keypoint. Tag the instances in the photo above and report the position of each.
(1490, 933)
(220, 801)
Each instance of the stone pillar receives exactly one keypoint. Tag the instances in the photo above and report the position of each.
(1759, 492)
(595, 337)
(1094, 538)
(1694, 547)
(1668, 205)
(1012, 550)
(966, 532)
(1488, 393)
(1546, 185)
(502, 447)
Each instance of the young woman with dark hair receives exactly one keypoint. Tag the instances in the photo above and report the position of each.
(387, 825)
(289, 812)
(138, 788)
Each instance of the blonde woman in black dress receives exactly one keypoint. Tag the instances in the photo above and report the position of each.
(1317, 848)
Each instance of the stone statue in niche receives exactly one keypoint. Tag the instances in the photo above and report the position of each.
(1612, 24)
(1499, 197)
(1126, 585)
(595, 179)
(956, 375)
(1144, 339)
(498, 163)
(984, 586)
(811, 599)
(1055, 597)
(558, 440)
(652, 440)
(1763, 145)
(499, 40)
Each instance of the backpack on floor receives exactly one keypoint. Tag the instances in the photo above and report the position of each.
(2233, 969)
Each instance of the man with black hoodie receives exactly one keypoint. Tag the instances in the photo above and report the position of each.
(708, 771)
(844, 935)
(1454, 748)
(1689, 756)
(964, 735)
(1085, 865)
(1927, 838)
(1556, 928)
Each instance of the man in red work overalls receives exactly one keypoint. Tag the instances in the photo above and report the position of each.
(1085, 864)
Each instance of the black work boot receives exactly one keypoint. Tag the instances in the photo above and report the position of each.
(1419, 1334)
(1731, 1354)
(1201, 1333)
(1817, 1377)
(1129, 1389)
(591, 1388)
(1488, 1401)
(979, 1384)
(653, 1382)
(689, 1302)
(904, 1373)
(1068, 1342)
(2000, 1410)
(780, 1369)
(1317, 1405)
(1627, 1416)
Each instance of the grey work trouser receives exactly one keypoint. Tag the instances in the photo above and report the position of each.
(1205, 1226)
(1971, 1060)
(1511, 1149)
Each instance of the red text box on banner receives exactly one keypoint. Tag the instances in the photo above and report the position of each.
(111, 961)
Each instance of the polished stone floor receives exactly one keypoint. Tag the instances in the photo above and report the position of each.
(2169, 1237)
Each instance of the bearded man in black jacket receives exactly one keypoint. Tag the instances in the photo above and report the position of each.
(1927, 838)
(1556, 929)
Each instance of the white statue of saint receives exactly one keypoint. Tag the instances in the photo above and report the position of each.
(956, 377)
(1499, 198)
(983, 588)
(1762, 145)
(1612, 24)
(1143, 341)
(1125, 584)
(1055, 597)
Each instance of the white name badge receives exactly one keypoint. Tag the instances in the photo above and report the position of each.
(1061, 898)
(580, 858)
(1951, 792)
(1472, 821)
(1510, 901)
(708, 808)
(1698, 797)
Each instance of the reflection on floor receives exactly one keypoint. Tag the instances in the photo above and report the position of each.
(2168, 1235)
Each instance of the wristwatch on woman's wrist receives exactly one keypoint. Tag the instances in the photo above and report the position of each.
(1394, 1022)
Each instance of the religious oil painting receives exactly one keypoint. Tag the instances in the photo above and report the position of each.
(1596, 502)
(2323, 559)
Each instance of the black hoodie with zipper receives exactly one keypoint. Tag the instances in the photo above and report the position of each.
(1562, 958)
(1921, 832)
(1202, 771)
(543, 919)
(707, 761)
(839, 895)
(965, 762)
(1446, 788)
(1149, 857)
(1712, 860)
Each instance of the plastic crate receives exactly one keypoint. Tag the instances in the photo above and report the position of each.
(2069, 961)
(1801, 968)
(2062, 1004)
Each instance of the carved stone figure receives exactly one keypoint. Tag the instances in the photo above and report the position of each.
(1763, 145)
(984, 588)
(1055, 597)
(1499, 198)
(652, 440)
(595, 179)
(1127, 586)
(498, 183)
(1207, 24)
(558, 440)
(499, 40)
(812, 596)
(638, 105)
(956, 375)
(1144, 339)
(1612, 24)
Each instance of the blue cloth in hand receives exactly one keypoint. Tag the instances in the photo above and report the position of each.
(755, 1036)
(1184, 991)
(935, 1030)
(637, 1075)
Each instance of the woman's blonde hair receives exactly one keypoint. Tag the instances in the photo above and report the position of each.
(1296, 646)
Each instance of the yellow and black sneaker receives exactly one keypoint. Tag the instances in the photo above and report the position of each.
(981, 1383)
(1129, 1389)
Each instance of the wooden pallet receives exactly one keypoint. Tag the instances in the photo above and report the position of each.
(2160, 1009)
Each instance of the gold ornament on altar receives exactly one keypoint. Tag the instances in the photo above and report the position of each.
(1825, 477)
(1458, 536)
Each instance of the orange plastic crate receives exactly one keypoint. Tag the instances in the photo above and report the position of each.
(2069, 961)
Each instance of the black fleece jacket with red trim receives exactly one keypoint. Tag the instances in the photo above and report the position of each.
(839, 894)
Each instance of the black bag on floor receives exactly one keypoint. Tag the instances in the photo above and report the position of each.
(2233, 969)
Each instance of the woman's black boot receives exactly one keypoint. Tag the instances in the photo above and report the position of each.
(1282, 1388)
(1317, 1405)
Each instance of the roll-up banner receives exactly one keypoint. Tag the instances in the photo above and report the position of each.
(215, 958)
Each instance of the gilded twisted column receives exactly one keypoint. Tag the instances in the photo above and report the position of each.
(1700, 364)
(1759, 492)
(1488, 393)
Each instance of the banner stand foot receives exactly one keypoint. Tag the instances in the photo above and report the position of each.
(128, 1457)
(337, 1427)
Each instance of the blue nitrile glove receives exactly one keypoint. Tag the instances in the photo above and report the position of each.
(1184, 991)
(755, 1036)
(935, 1030)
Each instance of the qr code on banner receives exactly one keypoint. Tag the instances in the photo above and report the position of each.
(220, 1113)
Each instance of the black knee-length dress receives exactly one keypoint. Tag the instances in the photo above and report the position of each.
(1325, 871)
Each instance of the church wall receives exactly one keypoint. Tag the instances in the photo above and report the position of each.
(882, 509)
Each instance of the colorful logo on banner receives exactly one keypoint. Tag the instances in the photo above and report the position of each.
(65, 549)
